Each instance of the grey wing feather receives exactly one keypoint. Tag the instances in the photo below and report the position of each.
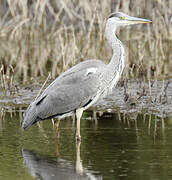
(71, 90)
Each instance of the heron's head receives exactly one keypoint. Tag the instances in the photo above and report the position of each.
(121, 19)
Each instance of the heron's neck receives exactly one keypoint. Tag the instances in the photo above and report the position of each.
(116, 63)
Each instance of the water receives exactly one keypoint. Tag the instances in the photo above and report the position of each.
(116, 147)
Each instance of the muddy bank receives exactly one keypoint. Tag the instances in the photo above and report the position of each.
(154, 97)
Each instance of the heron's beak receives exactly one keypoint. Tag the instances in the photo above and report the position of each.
(135, 20)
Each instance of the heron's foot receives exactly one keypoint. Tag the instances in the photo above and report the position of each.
(78, 138)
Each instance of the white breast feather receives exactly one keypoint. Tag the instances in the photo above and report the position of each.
(120, 70)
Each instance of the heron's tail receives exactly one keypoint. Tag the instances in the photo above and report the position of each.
(30, 116)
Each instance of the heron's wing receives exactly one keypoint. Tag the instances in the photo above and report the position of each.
(80, 68)
(70, 91)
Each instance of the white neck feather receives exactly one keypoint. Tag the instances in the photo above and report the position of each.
(116, 64)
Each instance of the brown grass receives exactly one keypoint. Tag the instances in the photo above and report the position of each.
(44, 36)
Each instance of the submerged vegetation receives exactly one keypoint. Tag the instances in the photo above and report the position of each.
(38, 37)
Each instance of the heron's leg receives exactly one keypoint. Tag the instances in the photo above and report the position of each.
(56, 126)
(56, 146)
(73, 120)
(78, 117)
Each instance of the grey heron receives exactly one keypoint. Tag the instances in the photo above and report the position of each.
(82, 85)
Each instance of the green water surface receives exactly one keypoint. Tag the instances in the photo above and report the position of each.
(113, 148)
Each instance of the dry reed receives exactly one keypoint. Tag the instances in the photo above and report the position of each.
(41, 36)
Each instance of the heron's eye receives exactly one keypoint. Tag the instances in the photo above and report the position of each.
(122, 18)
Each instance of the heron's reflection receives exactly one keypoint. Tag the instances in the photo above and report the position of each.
(46, 169)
